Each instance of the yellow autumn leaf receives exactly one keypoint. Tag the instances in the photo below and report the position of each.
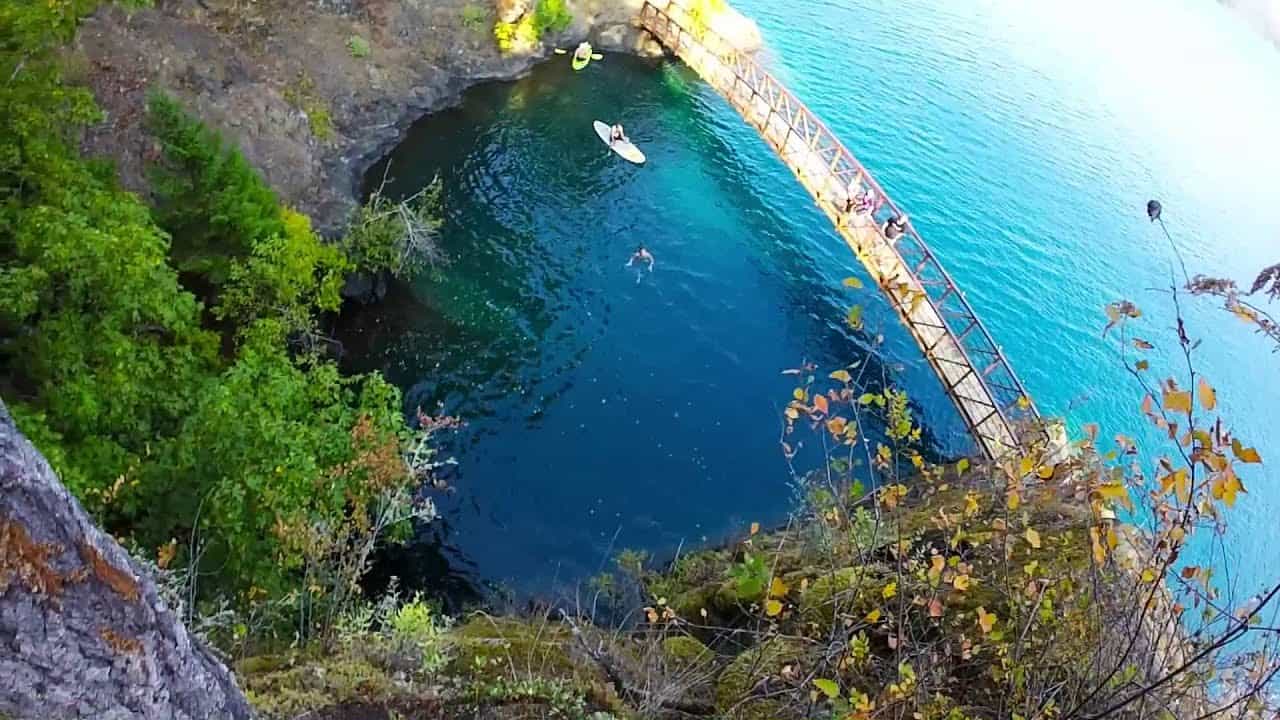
(1099, 552)
(842, 375)
(1178, 401)
(961, 465)
(1045, 472)
(1033, 538)
(1013, 500)
(1208, 398)
(1148, 575)
(799, 394)
(773, 608)
(777, 588)
(852, 282)
(889, 590)
(1244, 454)
(1025, 466)
(986, 620)
(961, 582)
(792, 413)
(1225, 486)
(1116, 492)
(874, 616)
(1024, 402)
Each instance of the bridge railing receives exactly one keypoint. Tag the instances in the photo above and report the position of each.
(955, 341)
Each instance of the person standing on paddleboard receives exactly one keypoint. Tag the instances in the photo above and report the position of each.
(583, 51)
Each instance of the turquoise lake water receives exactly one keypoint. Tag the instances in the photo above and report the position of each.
(609, 408)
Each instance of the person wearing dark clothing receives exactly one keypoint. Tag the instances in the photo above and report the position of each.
(894, 227)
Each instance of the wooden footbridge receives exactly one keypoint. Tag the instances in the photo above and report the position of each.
(973, 370)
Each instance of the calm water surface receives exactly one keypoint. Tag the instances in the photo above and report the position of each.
(609, 408)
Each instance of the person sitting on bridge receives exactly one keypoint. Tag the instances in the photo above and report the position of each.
(617, 134)
(894, 227)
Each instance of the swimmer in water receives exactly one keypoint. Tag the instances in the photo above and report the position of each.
(641, 255)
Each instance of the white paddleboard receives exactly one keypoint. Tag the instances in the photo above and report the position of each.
(622, 147)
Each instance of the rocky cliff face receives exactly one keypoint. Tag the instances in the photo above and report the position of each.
(83, 629)
(313, 92)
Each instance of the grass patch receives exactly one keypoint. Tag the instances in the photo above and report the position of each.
(302, 95)
(358, 47)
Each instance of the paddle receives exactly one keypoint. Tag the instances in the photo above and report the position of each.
(594, 56)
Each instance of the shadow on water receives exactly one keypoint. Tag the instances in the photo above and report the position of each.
(607, 407)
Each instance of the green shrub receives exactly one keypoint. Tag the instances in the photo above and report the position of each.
(474, 17)
(416, 626)
(549, 16)
(358, 47)
(402, 238)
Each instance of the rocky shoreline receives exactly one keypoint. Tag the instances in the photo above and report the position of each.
(312, 93)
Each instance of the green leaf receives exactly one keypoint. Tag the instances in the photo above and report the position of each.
(828, 688)
(855, 317)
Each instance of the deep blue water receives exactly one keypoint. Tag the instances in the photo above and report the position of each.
(610, 409)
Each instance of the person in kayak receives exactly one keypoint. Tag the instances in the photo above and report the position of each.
(582, 52)
(616, 134)
(641, 256)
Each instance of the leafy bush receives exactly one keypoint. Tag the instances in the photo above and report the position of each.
(358, 47)
(415, 624)
(400, 237)
(207, 197)
(548, 16)
(551, 16)
(259, 456)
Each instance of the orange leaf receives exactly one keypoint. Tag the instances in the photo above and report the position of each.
(935, 608)
(820, 404)
(1177, 401)
(1208, 398)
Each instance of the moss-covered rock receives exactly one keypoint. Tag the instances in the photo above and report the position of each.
(763, 665)
(683, 652)
(487, 648)
(288, 686)
(849, 590)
